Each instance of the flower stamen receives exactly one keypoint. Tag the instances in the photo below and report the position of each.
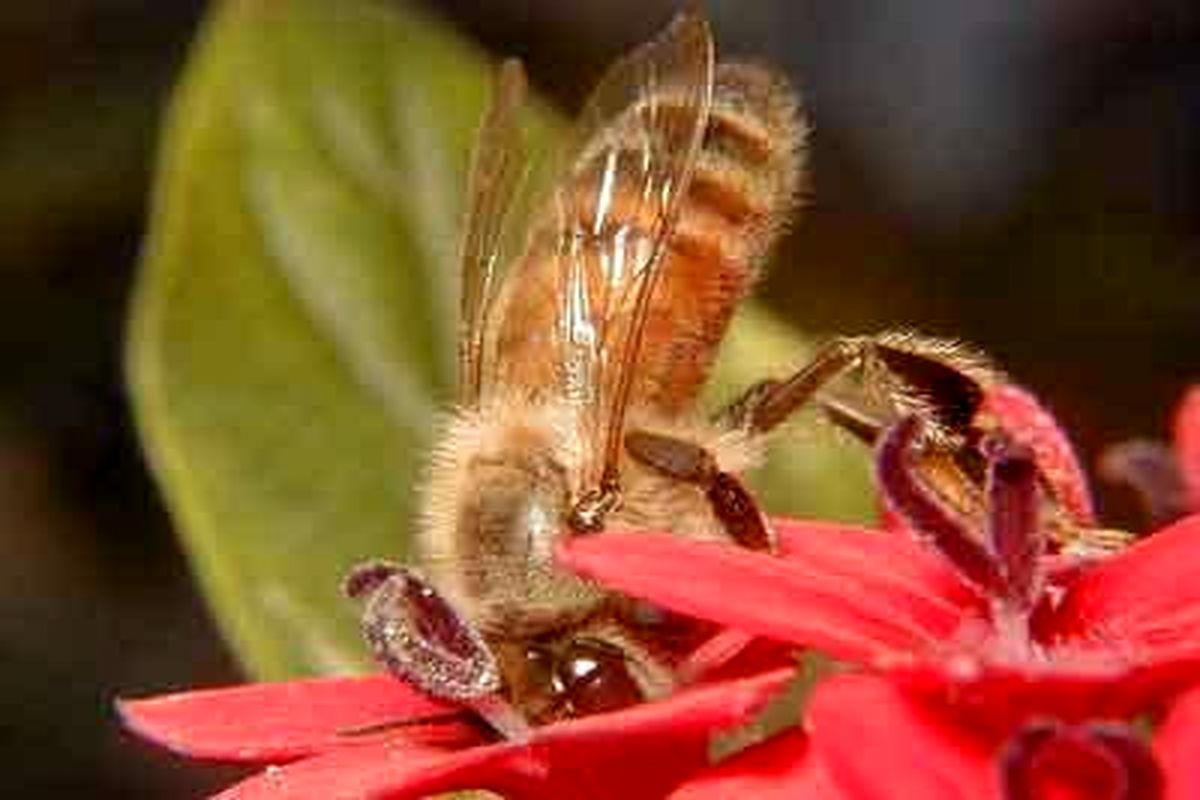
(926, 515)
(1012, 524)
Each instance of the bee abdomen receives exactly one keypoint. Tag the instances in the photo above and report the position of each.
(744, 189)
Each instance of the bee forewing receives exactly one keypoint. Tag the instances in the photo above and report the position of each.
(497, 168)
(612, 215)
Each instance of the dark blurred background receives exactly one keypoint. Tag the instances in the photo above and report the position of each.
(1025, 176)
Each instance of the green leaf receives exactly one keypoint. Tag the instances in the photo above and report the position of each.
(292, 332)
(293, 323)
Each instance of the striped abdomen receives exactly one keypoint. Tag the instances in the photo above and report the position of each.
(742, 192)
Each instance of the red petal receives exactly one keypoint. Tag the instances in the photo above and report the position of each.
(1142, 600)
(782, 768)
(876, 743)
(733, 654)
(854, 593)
(646, 750)
(380, 770)
(636, 754)
(1187, 444)
(998, 696)
(849, 551)
(1176, 744)
(1021, 415)
(283, 721)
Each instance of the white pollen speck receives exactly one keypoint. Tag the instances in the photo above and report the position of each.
(963, 667)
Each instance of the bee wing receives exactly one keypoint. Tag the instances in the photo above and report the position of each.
(497, 168)
(637, 141)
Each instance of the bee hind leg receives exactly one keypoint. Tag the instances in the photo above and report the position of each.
(766, 404)
(690, 463)
(857, 421)
(936, 378)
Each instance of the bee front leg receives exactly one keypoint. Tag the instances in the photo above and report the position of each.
(690, 463)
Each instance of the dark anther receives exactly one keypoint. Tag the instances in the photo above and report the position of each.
(1013, 533)
(1102, 760)
(954, 396)
(419, 637)
(1150, 469)
(924, 513)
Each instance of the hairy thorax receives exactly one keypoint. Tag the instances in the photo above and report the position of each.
(499, 490)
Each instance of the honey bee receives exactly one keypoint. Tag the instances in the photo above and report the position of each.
(580, 362)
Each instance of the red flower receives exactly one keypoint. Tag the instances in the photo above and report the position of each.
(867, 739)
(364, 738)
(982, 606)
(926, 753)
(990, 617)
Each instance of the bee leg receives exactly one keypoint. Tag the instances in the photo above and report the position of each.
(768, 403)
(858, 422)
(689, 462)
(897, 366)
(422, 640)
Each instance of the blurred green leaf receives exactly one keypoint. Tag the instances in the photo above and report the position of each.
(293, 327)
(293, 321)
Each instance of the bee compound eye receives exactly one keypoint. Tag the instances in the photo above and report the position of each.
(595, 677)
(420, 637)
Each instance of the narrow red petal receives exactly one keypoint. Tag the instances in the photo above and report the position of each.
(701, 709)
(283, 721)
(848, 551)
(782, 768)
(852, 593)
(1025, 419)
(733, 654)
(380, 770)
(1176, 745)
(1187, 444)
(1143, 598)
(643, 752)
(877, 744)
(639, 753)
